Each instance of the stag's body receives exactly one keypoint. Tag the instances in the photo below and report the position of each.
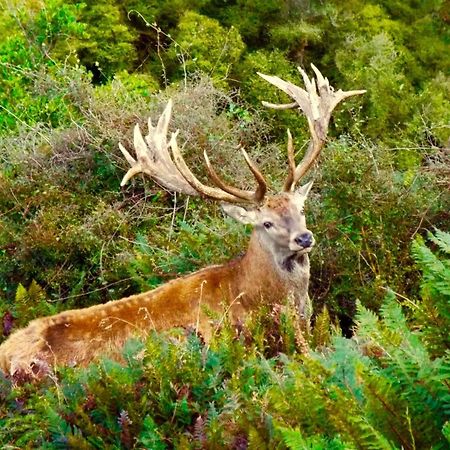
(274, 269)
(197, 301)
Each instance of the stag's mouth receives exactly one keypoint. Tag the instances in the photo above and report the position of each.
(305, 250)
(299, 250)
(297, 258)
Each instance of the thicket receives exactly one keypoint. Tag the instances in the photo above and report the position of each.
(263, 386)
(75, 78)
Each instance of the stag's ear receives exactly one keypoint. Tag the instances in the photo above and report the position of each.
(304, 190)
(240, 214)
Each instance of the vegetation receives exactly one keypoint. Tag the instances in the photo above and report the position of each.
(75, 78)
(262, 386)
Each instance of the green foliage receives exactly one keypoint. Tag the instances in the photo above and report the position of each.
(374, 62)
(191, 247)
(364, 215)
(138, 84)
(431, 118)
(56, 229)
(321, 334)
(386, 55)
(75, 78)
(106, 45)
(203, 45)
(380, 389)
(255, 89)
(166, 14)
(295, 35)
(433, 313)
(294, 440)
(374, 45)
(149, 436)
(57, 226)
(252, 18)
(26, 65)
(30, 303)
(55, 28)
(405, 373)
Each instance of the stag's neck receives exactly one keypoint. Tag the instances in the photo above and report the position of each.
(272, 275)
(262, 254)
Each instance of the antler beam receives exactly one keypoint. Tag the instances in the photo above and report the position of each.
(317, 101)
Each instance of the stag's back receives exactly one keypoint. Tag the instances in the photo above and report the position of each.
(76, 337)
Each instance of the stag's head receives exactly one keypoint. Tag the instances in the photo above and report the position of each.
(279, 219)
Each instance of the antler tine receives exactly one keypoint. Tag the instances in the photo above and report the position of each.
(317, 103)
(192, 179)
(262, 184)
(224, 192)
(153, 158)
(256, 196)
(280, 107)
(291, 163)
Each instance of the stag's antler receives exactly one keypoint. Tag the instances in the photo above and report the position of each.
(153, 159)
(317, 102)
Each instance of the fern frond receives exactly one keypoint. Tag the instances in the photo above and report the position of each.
(292, 438)
(441, 239)
(322, 329)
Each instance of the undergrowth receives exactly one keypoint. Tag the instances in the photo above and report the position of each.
(66, 225)
(76, 77)
(264, 385)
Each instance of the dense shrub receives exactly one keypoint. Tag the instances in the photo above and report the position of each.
(26, 58)
(106, 45)
(263, 387)
(75, 78)
(365, 214)
(376, 45)
(202, 45)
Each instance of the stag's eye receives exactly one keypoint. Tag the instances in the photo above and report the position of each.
(268, 225)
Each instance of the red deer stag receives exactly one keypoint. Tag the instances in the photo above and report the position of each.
(274, 268)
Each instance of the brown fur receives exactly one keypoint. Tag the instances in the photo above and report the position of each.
(76, 337)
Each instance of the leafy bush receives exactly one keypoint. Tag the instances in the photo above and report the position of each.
(75, 78)
(202, 45)
(106, 45)
(376, 45)
(433, 313)
(429, 124)
(25, 65)
(374, 62)
(364, 216)
(380, 389)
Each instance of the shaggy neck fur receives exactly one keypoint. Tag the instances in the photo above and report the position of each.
(278, 275)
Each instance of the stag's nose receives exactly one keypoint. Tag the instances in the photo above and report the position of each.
(304, 240)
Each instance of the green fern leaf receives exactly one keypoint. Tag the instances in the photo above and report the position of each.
(21, 294)
(321, 331)
(292, 438)
(441, 239)
(149, 437)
